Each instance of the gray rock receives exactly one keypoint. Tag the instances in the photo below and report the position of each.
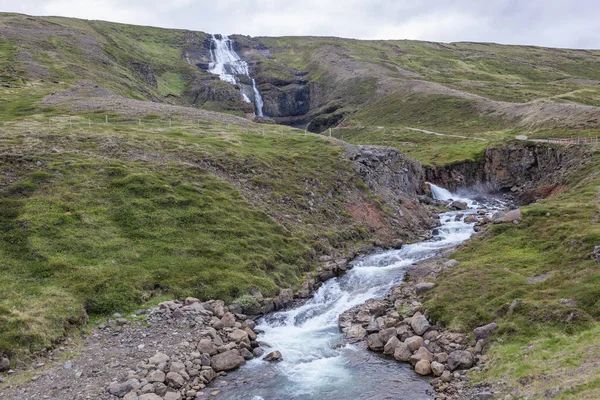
(286, 296)
(238, 335)
(172, 396)
(458, 205)
(441, 358)
(511, 216)
(68, 365)
(149, 396)
(374, 342)
(450, 264)
(485, 396)
(414, 343)
(355, 333)
(121, 389)
(156, 376)
(4, 364)
(446, 376)
(258, 352)
(402, 352)
(228, 320)
(390, 346)
(421, 288)
(131, 396)
(274, 356)
(483, 332)
(386, 334)
(460, 359)
(206, 346)
(178, 367)
(226, 361)
(247, 354)
(175, 380)
(160, 388)
(596, 254)
(419, 324)
(437, 368)
(421, 354)
(159, 358)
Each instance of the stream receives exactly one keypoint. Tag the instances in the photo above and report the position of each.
(315, 364)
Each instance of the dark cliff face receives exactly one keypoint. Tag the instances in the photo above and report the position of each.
(396, 180)
(515, 167)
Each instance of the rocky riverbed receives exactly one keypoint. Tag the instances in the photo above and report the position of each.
(169, 352)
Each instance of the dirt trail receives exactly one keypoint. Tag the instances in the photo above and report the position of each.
(442, 134)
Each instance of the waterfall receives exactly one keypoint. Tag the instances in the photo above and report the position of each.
(226, 63)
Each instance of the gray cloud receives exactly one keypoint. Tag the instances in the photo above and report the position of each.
(555, 23)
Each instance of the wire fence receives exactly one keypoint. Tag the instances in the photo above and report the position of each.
(151, 123)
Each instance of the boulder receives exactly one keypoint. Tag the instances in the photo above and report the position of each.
(121, 389)
(156, 376)
(190, 300)
(206, 346)
(228, 320)
(402, 352)
(159, 358)
(460, 359)
(470, 219)
(484, 331)
(286, 296)
(423, 367)
(374, 342)
(150, 396)
(446, 376)
(419, 324)
(175, 380)
(218, 308)
(226, 361)
(172, 396)
(238, 335)
(391, 345)
(437, 368)
(596, 254)
(421, 354)
(386, 334)
(355, 333)
(274, 356)
(414, 343)
(4, 364)
(450, 264)
(441, 358)
(458, 205)
(178, 367)
(421, 288)
(511, 216)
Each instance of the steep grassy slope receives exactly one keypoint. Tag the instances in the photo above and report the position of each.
(539, 282)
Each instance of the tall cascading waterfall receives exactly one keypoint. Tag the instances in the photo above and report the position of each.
(316, 363)
(226, 63)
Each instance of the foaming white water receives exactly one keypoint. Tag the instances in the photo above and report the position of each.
(440, 193)
(226, 63)
(314, 366)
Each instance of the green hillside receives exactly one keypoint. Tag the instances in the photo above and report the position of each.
(132, 174)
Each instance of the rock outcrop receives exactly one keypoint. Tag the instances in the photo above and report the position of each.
(529, 170)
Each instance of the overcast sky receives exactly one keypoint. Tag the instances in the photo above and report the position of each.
(556, 23)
